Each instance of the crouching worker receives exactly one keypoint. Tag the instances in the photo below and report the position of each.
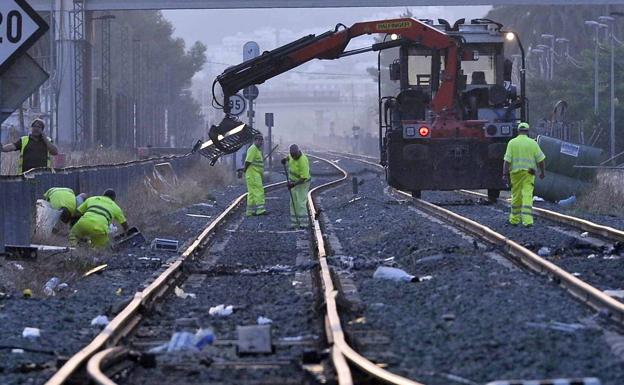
(98, 213)
(65, 200)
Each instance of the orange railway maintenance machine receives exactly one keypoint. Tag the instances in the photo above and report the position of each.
(448, 126)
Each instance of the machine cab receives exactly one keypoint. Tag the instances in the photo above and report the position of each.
(426, 151)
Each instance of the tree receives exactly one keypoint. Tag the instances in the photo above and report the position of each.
(574, 80)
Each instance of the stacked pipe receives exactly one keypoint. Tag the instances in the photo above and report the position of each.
(563, 176)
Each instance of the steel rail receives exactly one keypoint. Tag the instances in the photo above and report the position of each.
(131, 315)
(578, 288)
(340, 347)
(100, 360)
(579, 223)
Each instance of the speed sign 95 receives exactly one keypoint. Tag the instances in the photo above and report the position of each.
(237, 105)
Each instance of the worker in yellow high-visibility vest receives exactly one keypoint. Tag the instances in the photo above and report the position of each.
(65, 200)
(522, 158)
(98, 213)
(35, 150)
(254, 168)
(299, 184)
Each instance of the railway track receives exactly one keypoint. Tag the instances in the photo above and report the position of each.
(527, 257)
(501, 247)
(349, 350)
(117, 349)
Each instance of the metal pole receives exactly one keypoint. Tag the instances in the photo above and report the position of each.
(552, 58)
(271, 146)
(596, 73)
(612, 101)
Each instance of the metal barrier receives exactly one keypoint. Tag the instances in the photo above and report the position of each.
(19, 194)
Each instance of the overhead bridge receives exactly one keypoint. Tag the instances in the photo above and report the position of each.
(116, 5)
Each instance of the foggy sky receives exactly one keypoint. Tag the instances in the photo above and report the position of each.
(210, 26)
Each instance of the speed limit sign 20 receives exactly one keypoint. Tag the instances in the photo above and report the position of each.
(237, 105)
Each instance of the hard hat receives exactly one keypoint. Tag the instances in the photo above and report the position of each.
(523, 126)
(259, 136)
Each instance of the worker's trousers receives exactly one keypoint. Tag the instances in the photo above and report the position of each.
(95, 231)
(299, 205)
(522, 184)
(255, 193)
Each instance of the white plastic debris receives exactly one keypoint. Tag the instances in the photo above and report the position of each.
(17, 351)
(100, 320)
(204, 204)
(425, 278)
(576, 274)
(46, 218)
(293, 339)
(538, 199)
(221, 310)
(186, 341)
(544, 251)
(338, 220)
(615, 293)
(182, 294)
(591, 256)
(18, 266)
(31, 333)
(264, 320)
(568, 201)
(50, 286)
(559, 326)
(393, 274)
(62, 286)
(584, 234)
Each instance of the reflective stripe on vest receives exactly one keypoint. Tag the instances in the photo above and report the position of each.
(20, 159)
(99, 210)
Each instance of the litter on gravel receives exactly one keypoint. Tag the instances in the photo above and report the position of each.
(221, 310)
(186, 341)
(182, 294)
(393, 274)
(559, 326)
(615, 293)
(544, 251)
(31, 333)
(100, 320)
(264, 320)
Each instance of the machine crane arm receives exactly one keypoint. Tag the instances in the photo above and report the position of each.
(230, 134)
(332, 44)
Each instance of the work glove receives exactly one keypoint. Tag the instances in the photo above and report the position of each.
(239, 173)
(290, 185)
(284, 161)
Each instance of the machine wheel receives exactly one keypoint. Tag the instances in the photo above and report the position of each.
(493, 195)
(416, 194)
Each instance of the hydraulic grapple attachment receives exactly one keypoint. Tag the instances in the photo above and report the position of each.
(226, 138)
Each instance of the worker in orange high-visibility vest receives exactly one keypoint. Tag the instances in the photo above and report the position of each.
(36, 149)
(522, 158)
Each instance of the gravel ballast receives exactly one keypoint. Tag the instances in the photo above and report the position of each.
(476, 318)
